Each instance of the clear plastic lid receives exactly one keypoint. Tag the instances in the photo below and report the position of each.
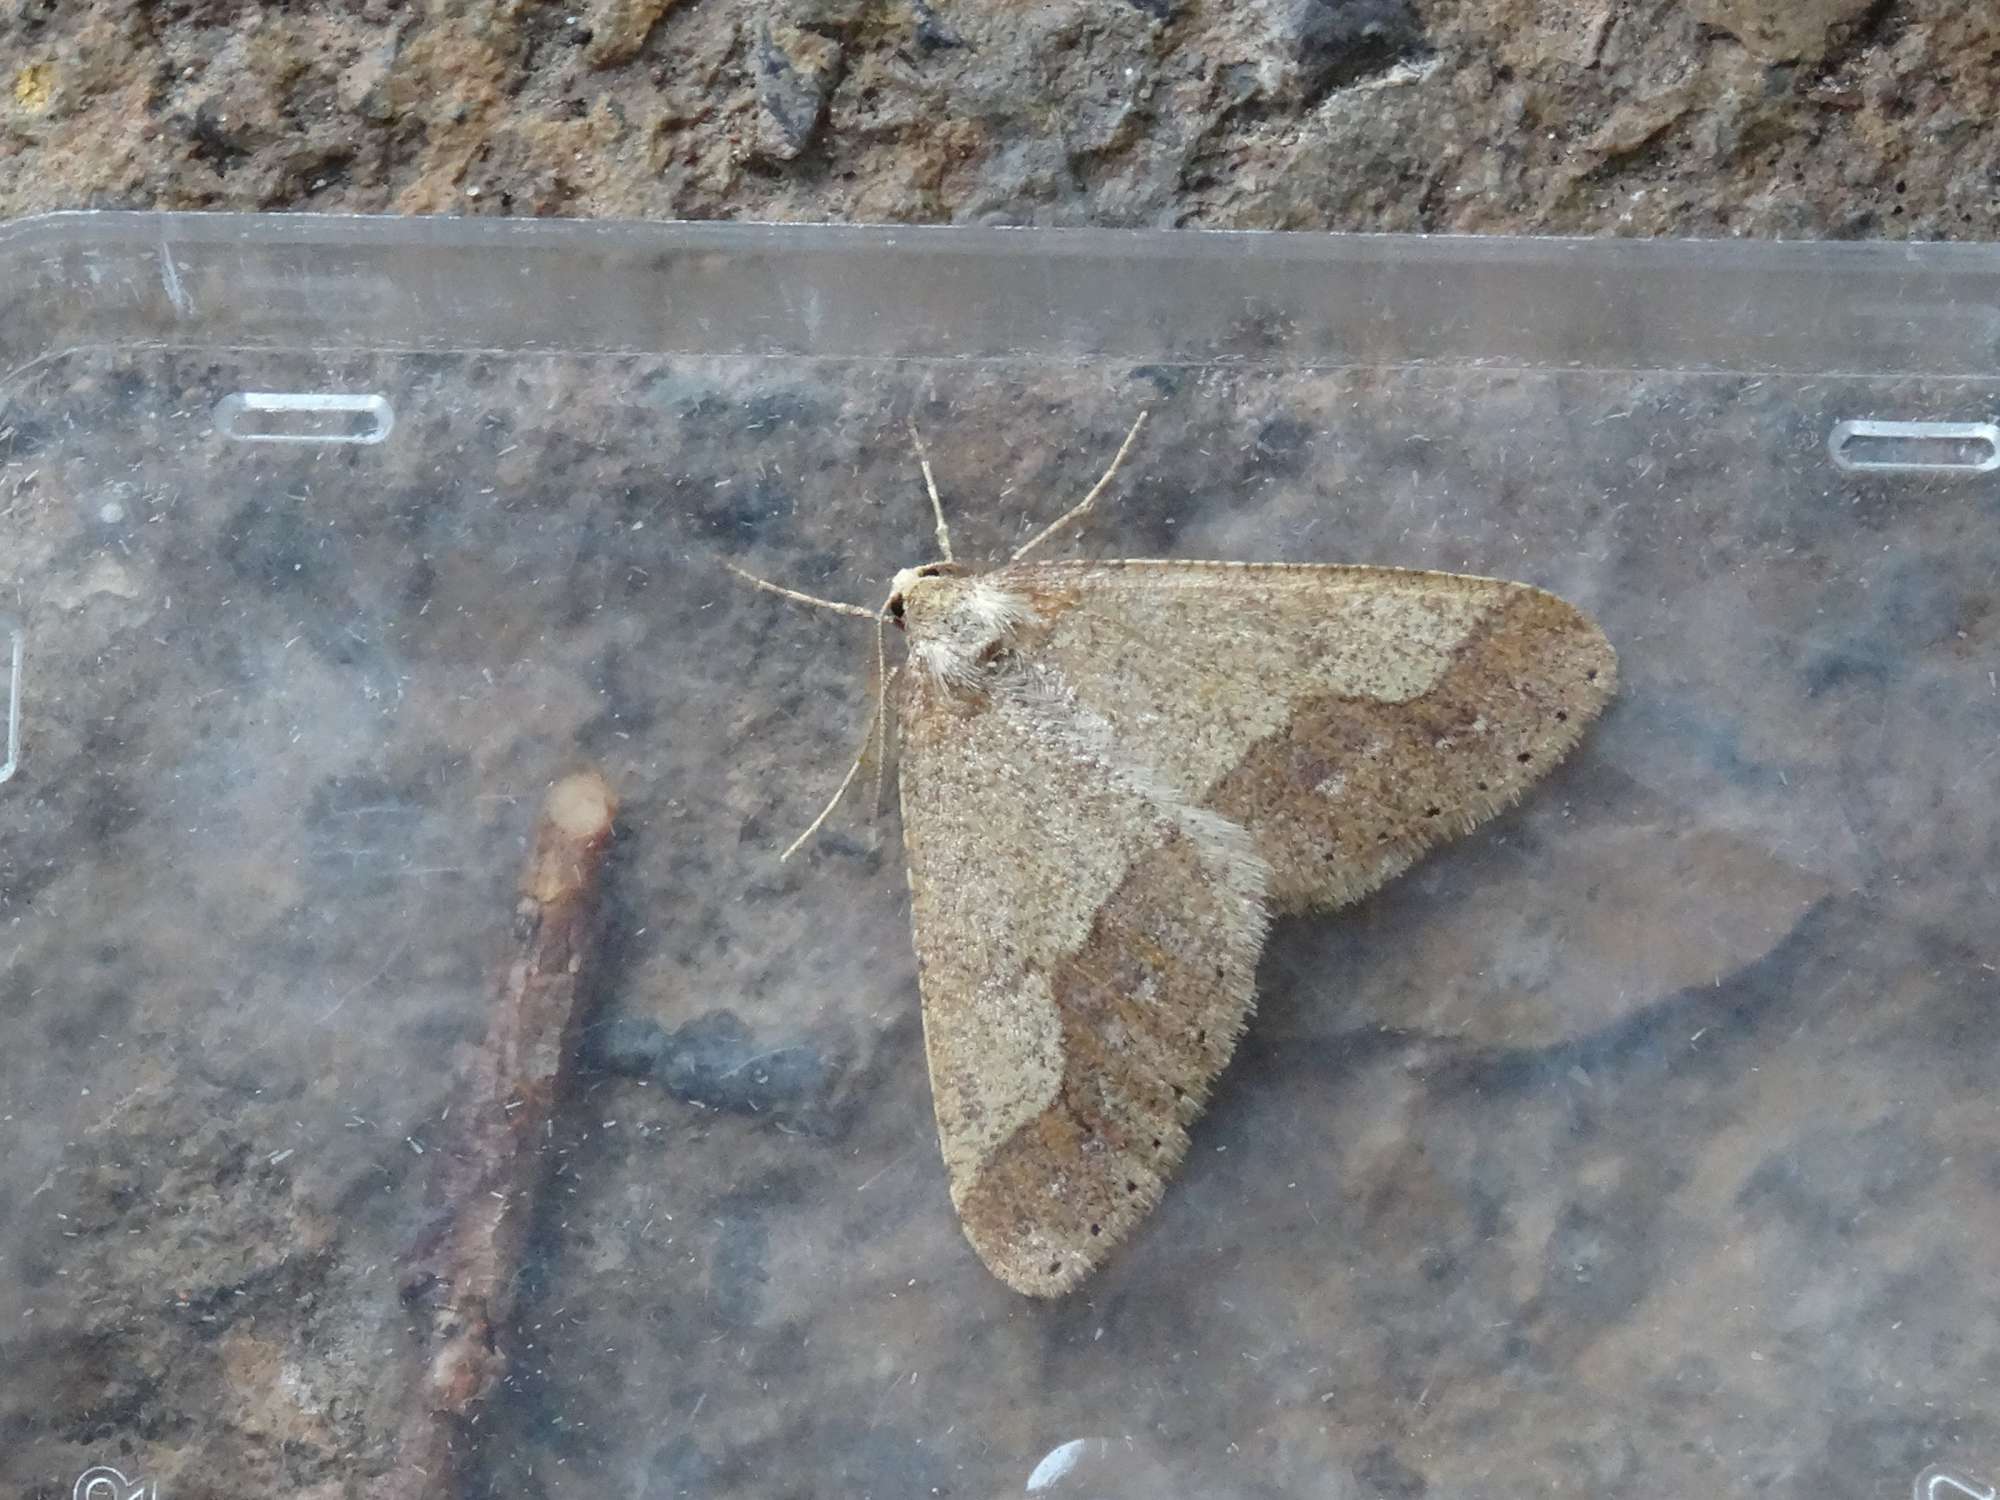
(1640, 1142)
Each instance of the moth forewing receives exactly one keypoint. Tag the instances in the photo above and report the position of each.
(1111, 773)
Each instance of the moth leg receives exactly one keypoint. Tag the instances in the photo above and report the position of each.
(883, 677)
(860, 759)
(1077, 511)
(877, 716)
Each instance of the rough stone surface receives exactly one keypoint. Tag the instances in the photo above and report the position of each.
(796, 72)
(1776, 117)
(1785, 30)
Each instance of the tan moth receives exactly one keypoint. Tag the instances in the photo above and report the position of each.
(1113, 775)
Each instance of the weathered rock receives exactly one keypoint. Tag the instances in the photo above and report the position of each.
(1783, 30)
(797, 71)
(1664, 116)
(619, 28)
(1336, 42)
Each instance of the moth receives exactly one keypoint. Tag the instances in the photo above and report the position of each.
(1113, 775)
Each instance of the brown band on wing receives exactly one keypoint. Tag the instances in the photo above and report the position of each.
(1353, 790)
(1047, 1206)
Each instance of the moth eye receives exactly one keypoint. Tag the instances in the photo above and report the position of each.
(1562, 716)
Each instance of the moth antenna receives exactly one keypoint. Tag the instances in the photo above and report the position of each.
(1077, 511)
(930, 484)
(798, 598)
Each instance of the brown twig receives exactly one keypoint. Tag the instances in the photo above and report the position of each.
(490, 1174)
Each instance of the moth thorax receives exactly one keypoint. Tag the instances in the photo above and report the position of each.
(959, 625)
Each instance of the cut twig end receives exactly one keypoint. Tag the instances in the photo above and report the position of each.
(581, 805)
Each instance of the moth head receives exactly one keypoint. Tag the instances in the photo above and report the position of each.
(910, 580)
